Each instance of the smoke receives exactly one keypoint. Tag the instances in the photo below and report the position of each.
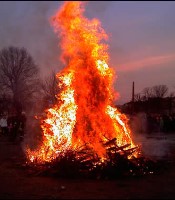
(154, 145)
(94, 7)
(26, 24)
(33, 134)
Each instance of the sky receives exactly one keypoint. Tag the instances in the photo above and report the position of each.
(141, 38)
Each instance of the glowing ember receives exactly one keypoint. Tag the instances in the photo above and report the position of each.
(83, 114)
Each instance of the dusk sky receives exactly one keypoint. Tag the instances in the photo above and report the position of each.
(141, 38)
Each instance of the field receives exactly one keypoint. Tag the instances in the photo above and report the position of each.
(17, 181)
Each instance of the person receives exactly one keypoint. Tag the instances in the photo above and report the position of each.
(3, 125)
(161, 124)
(10, 125)
(13, 126)
(22, 124)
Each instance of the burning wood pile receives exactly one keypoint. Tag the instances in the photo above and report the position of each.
(119, 162)
(83, 133)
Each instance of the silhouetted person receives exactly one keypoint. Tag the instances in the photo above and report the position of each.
(13, 125)
(22, 124)
(149, 123)
(3, 125)
(165, 123)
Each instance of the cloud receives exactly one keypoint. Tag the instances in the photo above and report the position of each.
(148, 62)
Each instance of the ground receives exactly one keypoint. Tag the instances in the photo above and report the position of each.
(17, 182)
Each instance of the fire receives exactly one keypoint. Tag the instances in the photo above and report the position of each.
(83, 114)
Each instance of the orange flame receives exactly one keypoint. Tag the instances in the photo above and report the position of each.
(85, 114)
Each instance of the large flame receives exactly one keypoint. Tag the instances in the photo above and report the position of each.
(83, 114)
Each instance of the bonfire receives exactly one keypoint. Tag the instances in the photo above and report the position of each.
(84, 127)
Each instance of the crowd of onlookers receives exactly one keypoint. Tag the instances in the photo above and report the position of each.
(13, 126)
(150, 123)
(161, 123)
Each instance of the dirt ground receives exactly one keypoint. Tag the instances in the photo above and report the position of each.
(17, 183)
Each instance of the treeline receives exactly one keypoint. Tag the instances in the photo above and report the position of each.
(157, 91)
(156, 99)
(152, 110)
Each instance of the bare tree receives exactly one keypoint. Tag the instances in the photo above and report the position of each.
(50, 87)
(137, 97)
(147, 93)
(172, 94)
(18, 75)
(160, 91)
